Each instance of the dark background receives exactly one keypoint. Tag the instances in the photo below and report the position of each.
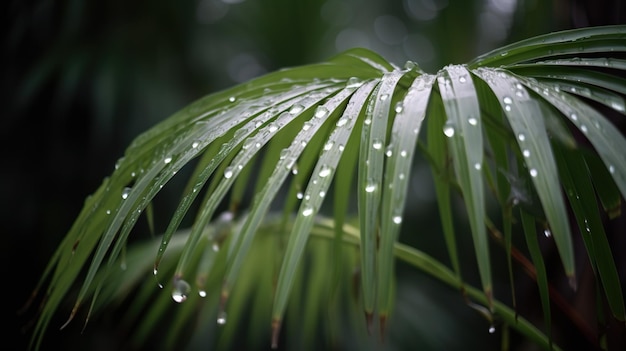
(81, 79)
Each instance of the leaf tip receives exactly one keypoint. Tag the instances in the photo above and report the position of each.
(276, 324)
(369, 322)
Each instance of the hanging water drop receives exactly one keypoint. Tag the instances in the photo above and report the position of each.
(181, 290)
(492, 329)
(547, 233)
(221, 318)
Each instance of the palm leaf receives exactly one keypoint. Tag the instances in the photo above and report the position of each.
(310, 131)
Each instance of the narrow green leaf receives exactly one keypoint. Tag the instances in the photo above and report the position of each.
(605, 186)
(532, 242)
(409, 114)
(579, 189)
(371, 163)
(575, 41)
(525, 117)
(464, 131)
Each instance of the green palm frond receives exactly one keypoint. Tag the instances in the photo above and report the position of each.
(519, 126)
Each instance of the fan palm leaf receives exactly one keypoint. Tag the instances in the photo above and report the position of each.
(351, 128)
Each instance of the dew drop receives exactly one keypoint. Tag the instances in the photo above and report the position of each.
(322, 193)
(384, 97)
(125, 193)
(399, 107)
(473, 121)
(367, 121)
(342, 122)
(492, 329)
(611, 169)
(108, 212)
(272, 127)
(232, 99)
(329, 145)
(583, 128)
(307, 211)
(507, 100)
(295, 109)
(325, 171)
(228, 172)
(526, 153)
(521, 137)
(353, 82)
(181, 290)
(477, 166)
(533, 172)
(202, 293)
(462, 79)
(321, 112)
(195, 144)
(377, 144)
(547, 233)
(397, 219)
(371, 186)
(306, 126)
(448, 129)
(221, 318)
(574, 117)
(167, 160)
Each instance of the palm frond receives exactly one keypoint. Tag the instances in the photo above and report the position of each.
(351, 127)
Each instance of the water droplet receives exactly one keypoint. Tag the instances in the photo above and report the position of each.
(321, 112)
(389, 151)
(384, 97)
(341, 147)
(583, 128)
(574, 117)
(181, 290)
(477, 166)
(611, 169)
(108, 212)
(342, 122)
(371, 186)
(202, 293)
(353, 82)
(507, 100)
(492, 329)
(299, 195)
(409, 65)
(521, 137)
(448, 129)
(167, 160)
(195, 144)
(325, 171)
(473, 121)
(367, 121)
(307, 211)
(322, 193)
(232, 99)
(533, 172)
(399, 107)
(526, 153)
(228, 172)
(125, 193)
(272, 127)
(547, 233)
(397, 219)
(377, 144)
(307, 125)
(329, 145)
(215, 247)
(221, 318)
(462, 79)
(295, 109)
